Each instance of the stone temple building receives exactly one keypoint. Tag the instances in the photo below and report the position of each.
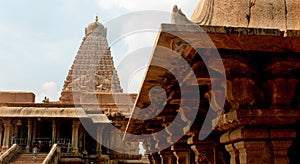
(57, 128)
(235, 98)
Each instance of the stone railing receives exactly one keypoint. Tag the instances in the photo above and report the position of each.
(53, 155)
(20, 141)
(8, 154)
(62, 140)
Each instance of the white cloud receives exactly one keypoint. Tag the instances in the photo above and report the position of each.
(50, 90)
(132, 37)
(44, 42)
(163, 5)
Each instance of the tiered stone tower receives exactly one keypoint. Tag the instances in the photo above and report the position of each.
(93, 69)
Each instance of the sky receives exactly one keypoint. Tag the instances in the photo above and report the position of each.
(39, 39)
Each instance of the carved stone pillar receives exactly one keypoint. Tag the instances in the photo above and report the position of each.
(259, 146)
(29, 134)
(99, 140)
(203, 154)
(16, 132)
(75, 128)
(234, 156)
(281, 91)
(34, 130)
(53, 131)
(7, 126)
(155, 158)
(1, 131)
(280, 151)
(282, 82)
(58, 130)
(181, 153)
(254, 152)
(167, 156)
(150, 159)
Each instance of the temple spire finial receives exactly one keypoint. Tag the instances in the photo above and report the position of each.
(97, 18)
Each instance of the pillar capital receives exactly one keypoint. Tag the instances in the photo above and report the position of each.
(6, 122)
(280, 151)
(76, 122)
(29, 122)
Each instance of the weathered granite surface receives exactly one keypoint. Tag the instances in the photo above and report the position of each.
(17, 97)
(275, 14)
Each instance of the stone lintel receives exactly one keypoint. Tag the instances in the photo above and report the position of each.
(232, 38)
(195, 141)
(254, 117)
(246, 134)
(180, 148)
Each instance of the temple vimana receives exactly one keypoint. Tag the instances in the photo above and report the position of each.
(241, 74)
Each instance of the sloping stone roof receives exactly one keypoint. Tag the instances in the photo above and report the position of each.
(42, 112)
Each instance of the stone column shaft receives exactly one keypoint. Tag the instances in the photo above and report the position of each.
(99, 140)
(167, 157)
(155, 158)
(29, 134)
(204, 153)
(1, 131)
(33, 130)
(7, 125)
(182, 157)
(53, 131)
(75, 128)
(181, 153)
(16, 132)
(234, 157)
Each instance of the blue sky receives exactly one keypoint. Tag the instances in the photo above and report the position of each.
(39, 39)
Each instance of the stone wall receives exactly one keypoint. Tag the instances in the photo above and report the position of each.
(17, 97)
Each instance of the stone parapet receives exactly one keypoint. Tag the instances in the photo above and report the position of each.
(17, 97)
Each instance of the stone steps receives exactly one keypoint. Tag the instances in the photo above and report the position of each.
(28, 158)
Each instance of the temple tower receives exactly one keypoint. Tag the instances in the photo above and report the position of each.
(93, 68)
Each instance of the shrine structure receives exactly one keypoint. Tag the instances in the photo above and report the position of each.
(91, 95)
(258, 43)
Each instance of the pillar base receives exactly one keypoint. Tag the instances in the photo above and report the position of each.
(259, 146)
(4, 148)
